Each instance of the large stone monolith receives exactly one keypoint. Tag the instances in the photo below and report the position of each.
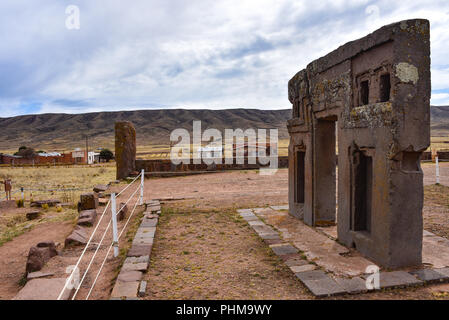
(125, 148)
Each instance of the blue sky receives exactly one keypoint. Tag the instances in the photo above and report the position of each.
(144, 54)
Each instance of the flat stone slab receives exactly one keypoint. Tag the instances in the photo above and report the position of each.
(320, 284)
(39, 274)
(125, 289)
(269, 236)
(140, 250)
(397, 279)
(263, 229)
(283, 249)
(244, 211)
(148, 223)
(250, 217)
(154, 208)
(352, 286)
(143, 241)
(295, 261)
(130, 276)
(44, 289)
(311, 275)
(303, 268)
(444, 271)
(278, 208)
(435, 250)
(256, 223)
(140, 259)
(135, 266)
(430, 275)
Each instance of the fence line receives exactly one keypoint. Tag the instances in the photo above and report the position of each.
(109, 250)
(70, 278)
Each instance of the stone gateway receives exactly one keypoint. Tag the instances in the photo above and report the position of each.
(373, 96)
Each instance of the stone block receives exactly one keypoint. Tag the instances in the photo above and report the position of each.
(269, 236)
(38, 257)
(283, 249)
(88, 201)
(125, 148)
(279, 208)
(100, 188)
(140, 250)
(130, 276)
(125, 289)
(142, 289)
(39, 274)
(142, 241)
(295, 260)
(143, 266)
(303, 268)
(430, 275)
(33, 215)
(256, 223)
(323, 286)
(397, 279)
(122, 211)
(444, 271)
(311, 275)
(352, 286)
(44, 289)
(77, 237)
(147, 223)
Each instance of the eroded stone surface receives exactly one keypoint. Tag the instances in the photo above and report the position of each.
(283, 249)
(130, 276)
(125, 289)
(429, 275)
(139, 250)
(44, 289)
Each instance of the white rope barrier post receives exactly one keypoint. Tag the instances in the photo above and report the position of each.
(437, 169)
(114, 224)
(142, 182)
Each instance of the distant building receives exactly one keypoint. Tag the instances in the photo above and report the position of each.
(93, 157)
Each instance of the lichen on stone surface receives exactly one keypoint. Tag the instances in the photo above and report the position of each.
(407, 73)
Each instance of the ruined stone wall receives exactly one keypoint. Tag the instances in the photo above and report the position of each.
(374, 94)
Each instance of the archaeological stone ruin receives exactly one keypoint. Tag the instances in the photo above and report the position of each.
(370, 99)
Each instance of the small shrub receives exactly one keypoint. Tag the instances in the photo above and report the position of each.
(58, 209)
(20, 203)
(45, 206)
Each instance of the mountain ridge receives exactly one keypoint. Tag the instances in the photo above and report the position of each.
(65, 131)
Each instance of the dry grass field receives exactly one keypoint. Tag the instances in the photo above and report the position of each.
(42, 183)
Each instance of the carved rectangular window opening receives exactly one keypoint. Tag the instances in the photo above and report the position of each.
(364, 93)
(299, 176)
(362, 184)
(385, 87)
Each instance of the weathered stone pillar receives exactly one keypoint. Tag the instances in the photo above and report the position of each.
(125, 148)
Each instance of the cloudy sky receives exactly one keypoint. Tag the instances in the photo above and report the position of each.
(145, 54)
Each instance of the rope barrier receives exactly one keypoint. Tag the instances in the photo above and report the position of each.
(82, 254)
(109, 250)
(118, 195)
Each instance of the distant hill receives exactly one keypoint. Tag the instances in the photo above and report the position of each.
(66, 131)
(439, 119)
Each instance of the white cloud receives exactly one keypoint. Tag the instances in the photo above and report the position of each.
(200, 54)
